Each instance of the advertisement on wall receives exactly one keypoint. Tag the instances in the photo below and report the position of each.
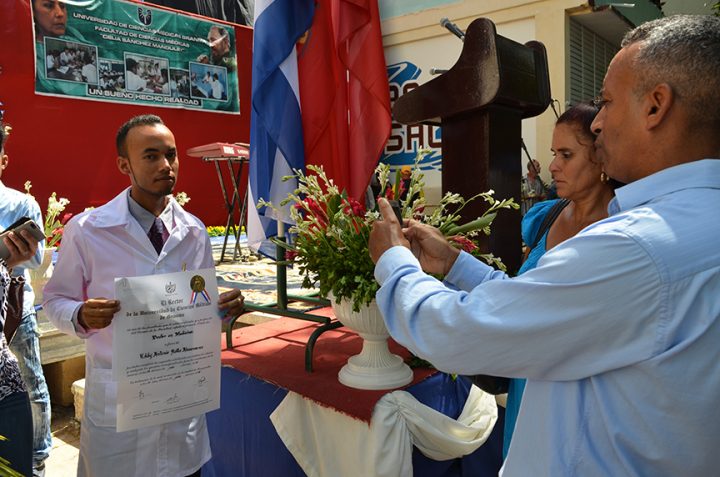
(112, 50)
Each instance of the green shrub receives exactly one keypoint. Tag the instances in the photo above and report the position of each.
(219, 230)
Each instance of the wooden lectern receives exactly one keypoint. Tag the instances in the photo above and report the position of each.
(479, 103)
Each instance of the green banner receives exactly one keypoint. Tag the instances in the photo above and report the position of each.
(112, 50)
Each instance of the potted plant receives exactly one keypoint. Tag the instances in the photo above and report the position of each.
(330, 248)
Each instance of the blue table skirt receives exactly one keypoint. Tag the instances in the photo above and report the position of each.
(245, 444)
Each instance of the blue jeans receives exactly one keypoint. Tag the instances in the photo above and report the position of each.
(16, 427)
(26, 348)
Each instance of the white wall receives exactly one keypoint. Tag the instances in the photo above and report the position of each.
(440, 51)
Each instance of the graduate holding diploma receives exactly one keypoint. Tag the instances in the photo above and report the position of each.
(143, 231)
(166, 358)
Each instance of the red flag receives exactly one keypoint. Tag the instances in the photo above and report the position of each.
(344, 95)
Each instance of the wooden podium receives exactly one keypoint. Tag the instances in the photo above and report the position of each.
(479, 104)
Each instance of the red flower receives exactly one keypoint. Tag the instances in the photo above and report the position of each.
(290, 255)
(401, 188)
(389, 194)
(66, 217)
(316, 210)
(463, 243)
(354, 207)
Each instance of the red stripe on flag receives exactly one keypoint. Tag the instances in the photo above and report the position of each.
(344, 93)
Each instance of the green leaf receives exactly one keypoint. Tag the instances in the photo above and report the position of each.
(476, 224)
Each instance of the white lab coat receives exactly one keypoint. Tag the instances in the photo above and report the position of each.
(98, 246)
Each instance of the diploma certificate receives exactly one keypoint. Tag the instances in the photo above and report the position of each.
(166, 348)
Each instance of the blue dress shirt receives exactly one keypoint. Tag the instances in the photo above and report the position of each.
(14, 205)
(617, 331)
(531, 223)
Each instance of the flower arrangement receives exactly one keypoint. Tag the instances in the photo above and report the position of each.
(54, 224)
(182, 198)
(332, 230)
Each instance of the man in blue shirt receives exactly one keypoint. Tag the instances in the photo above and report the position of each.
(26, 342)
(617, 329)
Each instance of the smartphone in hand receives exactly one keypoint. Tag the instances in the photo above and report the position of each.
(24, 223)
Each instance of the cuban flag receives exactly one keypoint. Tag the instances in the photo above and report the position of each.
(324, 58)
(276, 135)
(344, 92)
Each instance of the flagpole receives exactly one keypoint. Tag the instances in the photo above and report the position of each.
(281, 270)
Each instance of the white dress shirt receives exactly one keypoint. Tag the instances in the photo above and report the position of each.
(98, 246)
(134, 82)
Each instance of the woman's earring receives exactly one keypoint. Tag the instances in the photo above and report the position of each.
(604, 177)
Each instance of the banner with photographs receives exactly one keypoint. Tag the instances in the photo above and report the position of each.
(112, 50)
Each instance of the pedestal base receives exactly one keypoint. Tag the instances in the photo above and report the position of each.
(375, 367)
(394, 374)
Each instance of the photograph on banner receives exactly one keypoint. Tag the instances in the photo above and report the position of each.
(147, 74)
(112, 75)
(70, 61)
(208, 82)
(115, 50)
(179, 83)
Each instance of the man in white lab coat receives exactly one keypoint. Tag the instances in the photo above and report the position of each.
(142, 231)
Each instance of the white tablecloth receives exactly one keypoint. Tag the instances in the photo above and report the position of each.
(327, 443)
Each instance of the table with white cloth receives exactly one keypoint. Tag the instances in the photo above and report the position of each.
(276, 419)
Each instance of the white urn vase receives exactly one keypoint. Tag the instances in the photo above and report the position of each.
(375, 367)
(40, 276)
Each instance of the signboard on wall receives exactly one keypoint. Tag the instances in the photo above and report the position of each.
(409, 65)
(405, 140)
(124, 52)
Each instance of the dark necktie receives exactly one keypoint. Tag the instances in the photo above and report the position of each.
(155, 234)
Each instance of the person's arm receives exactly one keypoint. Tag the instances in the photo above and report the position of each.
(64, 293)
(34, 213)
(29, 208)
(21, 247)
(554, 323)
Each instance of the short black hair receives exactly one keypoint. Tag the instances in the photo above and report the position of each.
(142, 120)
(3, 134)
(131, 64)
(581, 115)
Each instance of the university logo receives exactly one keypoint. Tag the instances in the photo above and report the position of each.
(144, 15)
(170, 287)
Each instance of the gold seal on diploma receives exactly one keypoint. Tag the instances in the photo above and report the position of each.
(197, 283)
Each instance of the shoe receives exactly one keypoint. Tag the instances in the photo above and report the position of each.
(39, 469)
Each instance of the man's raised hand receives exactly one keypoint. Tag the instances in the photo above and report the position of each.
(386, 232)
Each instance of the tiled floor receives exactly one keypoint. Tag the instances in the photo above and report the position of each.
(66, 440)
